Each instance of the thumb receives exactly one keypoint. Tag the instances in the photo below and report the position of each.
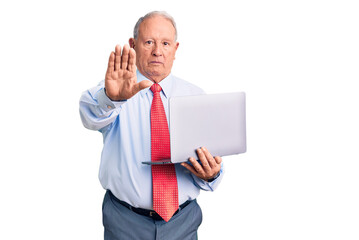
(141, 85)
(144, 84)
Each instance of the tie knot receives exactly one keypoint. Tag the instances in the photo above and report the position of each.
(155, 88)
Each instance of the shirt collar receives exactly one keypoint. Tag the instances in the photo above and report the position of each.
(166, 84)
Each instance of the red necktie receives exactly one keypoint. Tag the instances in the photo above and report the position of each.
(165, 190)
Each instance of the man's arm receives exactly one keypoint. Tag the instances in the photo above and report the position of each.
(99, 106)
(97, 111)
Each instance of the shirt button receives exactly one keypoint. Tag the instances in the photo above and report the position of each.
(109, 107)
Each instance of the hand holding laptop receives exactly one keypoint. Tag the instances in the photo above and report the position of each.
(209, 166)
(191, 124)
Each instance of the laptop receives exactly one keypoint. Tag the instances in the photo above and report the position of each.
(214, 121)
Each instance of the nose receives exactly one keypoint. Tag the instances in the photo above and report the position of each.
(157, 51)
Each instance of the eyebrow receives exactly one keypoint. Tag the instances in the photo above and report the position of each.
(164, 39)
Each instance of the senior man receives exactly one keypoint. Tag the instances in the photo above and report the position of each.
(130, 109)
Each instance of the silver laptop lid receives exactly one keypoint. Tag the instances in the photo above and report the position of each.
(214, 121)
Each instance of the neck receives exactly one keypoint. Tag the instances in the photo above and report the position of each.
(153, 78)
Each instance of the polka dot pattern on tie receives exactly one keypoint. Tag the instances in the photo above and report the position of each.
(164, 180)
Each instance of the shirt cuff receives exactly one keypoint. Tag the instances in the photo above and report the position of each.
(215, 177)
(210, 185)
(106, 103)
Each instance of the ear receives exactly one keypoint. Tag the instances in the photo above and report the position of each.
(176, 47)
(132, 41)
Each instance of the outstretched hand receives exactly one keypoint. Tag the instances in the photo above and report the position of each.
(121, 80)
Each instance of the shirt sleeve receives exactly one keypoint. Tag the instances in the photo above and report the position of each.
(97, 111)
(209, 186)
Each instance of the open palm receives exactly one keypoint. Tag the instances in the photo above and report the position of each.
(121, 81)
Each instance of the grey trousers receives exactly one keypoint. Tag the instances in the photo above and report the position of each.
(121, 223)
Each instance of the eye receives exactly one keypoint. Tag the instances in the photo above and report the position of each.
(166, 43)
(149, 42)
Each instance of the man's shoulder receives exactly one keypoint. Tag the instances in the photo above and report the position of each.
(184, 87)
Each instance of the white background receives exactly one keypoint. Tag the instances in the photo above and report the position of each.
(296, 60)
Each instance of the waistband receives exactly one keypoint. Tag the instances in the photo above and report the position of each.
(146, 212)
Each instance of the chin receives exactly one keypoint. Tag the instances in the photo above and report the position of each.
(155, 74)
(157, 77)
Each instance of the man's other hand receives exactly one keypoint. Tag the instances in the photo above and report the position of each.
(209, 167)
(121, 80)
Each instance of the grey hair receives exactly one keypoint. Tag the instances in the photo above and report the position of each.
(152, 14)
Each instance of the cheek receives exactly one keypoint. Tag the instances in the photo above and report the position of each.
(140, 58)
(173, 54)
(170, 57)
(144, 56)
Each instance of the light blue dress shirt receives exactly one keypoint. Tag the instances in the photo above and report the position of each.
(126, 129)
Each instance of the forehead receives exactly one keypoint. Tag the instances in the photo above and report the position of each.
(157, 27)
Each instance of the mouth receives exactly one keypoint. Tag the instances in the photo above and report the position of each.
(156, 62)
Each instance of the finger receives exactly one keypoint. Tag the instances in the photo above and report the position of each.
(218, 159)
(111, 63)
(209, 157)
(203, 159)
(190, 168)
(124, 58)
(132, 60)
(117, 57)
(198, 167)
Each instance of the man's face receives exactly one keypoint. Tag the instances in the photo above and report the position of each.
(155, 48)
